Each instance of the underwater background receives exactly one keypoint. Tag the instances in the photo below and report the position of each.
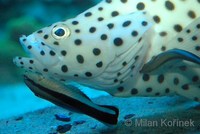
(22, 17)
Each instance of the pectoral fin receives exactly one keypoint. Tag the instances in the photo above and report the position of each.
(70, 97)
(167, 57)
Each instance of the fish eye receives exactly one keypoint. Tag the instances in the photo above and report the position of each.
(60, 32)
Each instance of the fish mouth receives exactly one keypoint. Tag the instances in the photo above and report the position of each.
(39, 51)
(42, 58)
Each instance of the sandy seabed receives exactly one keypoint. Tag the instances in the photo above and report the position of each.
(166, 115)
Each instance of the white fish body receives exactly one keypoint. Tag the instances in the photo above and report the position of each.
(107, 46)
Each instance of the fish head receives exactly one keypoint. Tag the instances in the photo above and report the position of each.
(86, 51)
(66, 50)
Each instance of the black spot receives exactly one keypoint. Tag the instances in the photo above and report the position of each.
(124, 63)
(30, 68)
(110, 25)
(163, 48)
(194, 38)
(163, 34)
(92, 29)
(45, 70)
(156, 19)
(198, 26)
(161, 78)
(178, 28)
(144, 23)
(132, 67)
(77, 42)
(115, 80)
(140, 6)
(88, 74)
(185, 87)
(124, 1)
(29, 46)
(188, 31)
(31, 61)
(80, 59)
(42, 53)
(157, 94)
(118, 41)
(180, 39)
(75, 22)
(197, 48)
(42, 43)
(134, 91)
(100, 19)
(52, 53)
(75, 75)
(167, 90)
(134, 33)
(118, 74)
(40, 31)
(99, 64)
(176, 81)
(120, 89)
(191, 14)
(136, 57)
(108, 1)
(149, 89)
(46, 36)
(195, 78)
(22, 63)
(100, 8)
(104, 37)
(88, 14)
(96, 51)
(64, 68)
(56, 43)
(126, 23)
(146, 77)
(63, 52)
(140, 39)
(169, 5)
(77, 30)
(114, 13)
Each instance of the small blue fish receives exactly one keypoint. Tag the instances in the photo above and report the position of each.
(127, 48)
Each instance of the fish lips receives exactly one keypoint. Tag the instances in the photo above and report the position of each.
(39, 51)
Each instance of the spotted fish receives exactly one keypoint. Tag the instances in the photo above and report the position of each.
(124, 47)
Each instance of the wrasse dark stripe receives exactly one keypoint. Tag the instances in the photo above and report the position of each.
(167, 56)
(64, 100)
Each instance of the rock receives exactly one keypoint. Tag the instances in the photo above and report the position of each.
(63, 128)
(62, 117)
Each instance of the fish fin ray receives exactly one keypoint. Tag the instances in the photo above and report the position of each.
(169, 56)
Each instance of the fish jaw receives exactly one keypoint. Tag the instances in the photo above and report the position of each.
(41, 56)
